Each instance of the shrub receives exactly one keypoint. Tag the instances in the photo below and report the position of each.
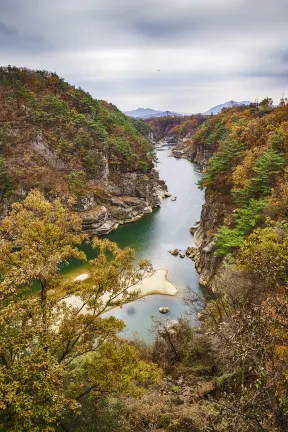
(76, 181)
(6, 185)
(222, 163)
(246, 219)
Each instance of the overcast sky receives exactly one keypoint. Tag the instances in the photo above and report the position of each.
(181, 55)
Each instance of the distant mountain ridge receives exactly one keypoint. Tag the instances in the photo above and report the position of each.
(149, 112)
(218, 108)
(145, 113)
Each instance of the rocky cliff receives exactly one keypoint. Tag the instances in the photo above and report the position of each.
(194, 152)
(214, 272)
(133, 195)
(60, 140)
(176, 129)
(246, 187)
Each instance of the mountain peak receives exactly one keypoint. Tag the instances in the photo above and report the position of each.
(218, 108)
(149, 112)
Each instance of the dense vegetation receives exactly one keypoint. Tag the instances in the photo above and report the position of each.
(47, 126)
(63, 366)
(57, 357)
(250, 165)
(178, 126)
(231, 373)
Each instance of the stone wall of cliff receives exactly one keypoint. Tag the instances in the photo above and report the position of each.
(58, 139)
(245, 186)
(193, 152)
(134, 195)
(215, 273)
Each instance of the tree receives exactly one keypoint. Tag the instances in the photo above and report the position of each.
(76, 182)
(265, 169)
(245, 219)
(266, 104)
(221, 164)
(54, 351)
(6, 185)
(264, 254)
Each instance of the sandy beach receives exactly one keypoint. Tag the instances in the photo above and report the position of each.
(157, 283)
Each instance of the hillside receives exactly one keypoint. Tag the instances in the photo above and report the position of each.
(59, 139)
(63, 365)
(177, 127)
(246, 149)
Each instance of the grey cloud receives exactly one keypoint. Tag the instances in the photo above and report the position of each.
(283, 57)
(6, 31)
(161, 30)
(67, 36)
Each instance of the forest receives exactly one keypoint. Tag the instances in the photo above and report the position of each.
(67, 368)
(79, 135)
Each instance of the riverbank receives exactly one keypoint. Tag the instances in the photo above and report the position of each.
(152, 236)
(157, 283)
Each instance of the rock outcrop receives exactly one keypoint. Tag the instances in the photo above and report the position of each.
(212, 216)
(137, 194)
(195, 153)
(215, 273)
(68, 144)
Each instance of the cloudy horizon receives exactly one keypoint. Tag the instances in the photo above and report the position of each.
(178, 55)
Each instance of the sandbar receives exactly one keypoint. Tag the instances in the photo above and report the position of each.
(157, 283)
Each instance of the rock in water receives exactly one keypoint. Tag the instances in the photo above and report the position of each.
(163, 310)
(182, 255)
(168, 195)
(173, 198)
(174, 252)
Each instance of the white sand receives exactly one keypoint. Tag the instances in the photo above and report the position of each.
(81, 277)
(157, 283)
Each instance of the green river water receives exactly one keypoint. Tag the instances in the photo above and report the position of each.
(152, 236)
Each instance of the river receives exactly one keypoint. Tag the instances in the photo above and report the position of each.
(153, 235)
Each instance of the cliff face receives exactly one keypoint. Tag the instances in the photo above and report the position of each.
(246, 187)
(60, 140)
(134, 195)
(194, 152)
(174, 129)
(215, 273)
(212, 216)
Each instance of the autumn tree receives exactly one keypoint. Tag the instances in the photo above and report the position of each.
(264, 254)
(57, 352)
(6, 185)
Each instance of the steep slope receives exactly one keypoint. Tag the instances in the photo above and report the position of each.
(59, 139)
(246, 186)
(206, 139)
(177, 127)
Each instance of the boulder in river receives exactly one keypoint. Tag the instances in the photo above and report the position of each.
(163, 310)
(168, 195)
(182, 255)
(173, 198)
(174, 252)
